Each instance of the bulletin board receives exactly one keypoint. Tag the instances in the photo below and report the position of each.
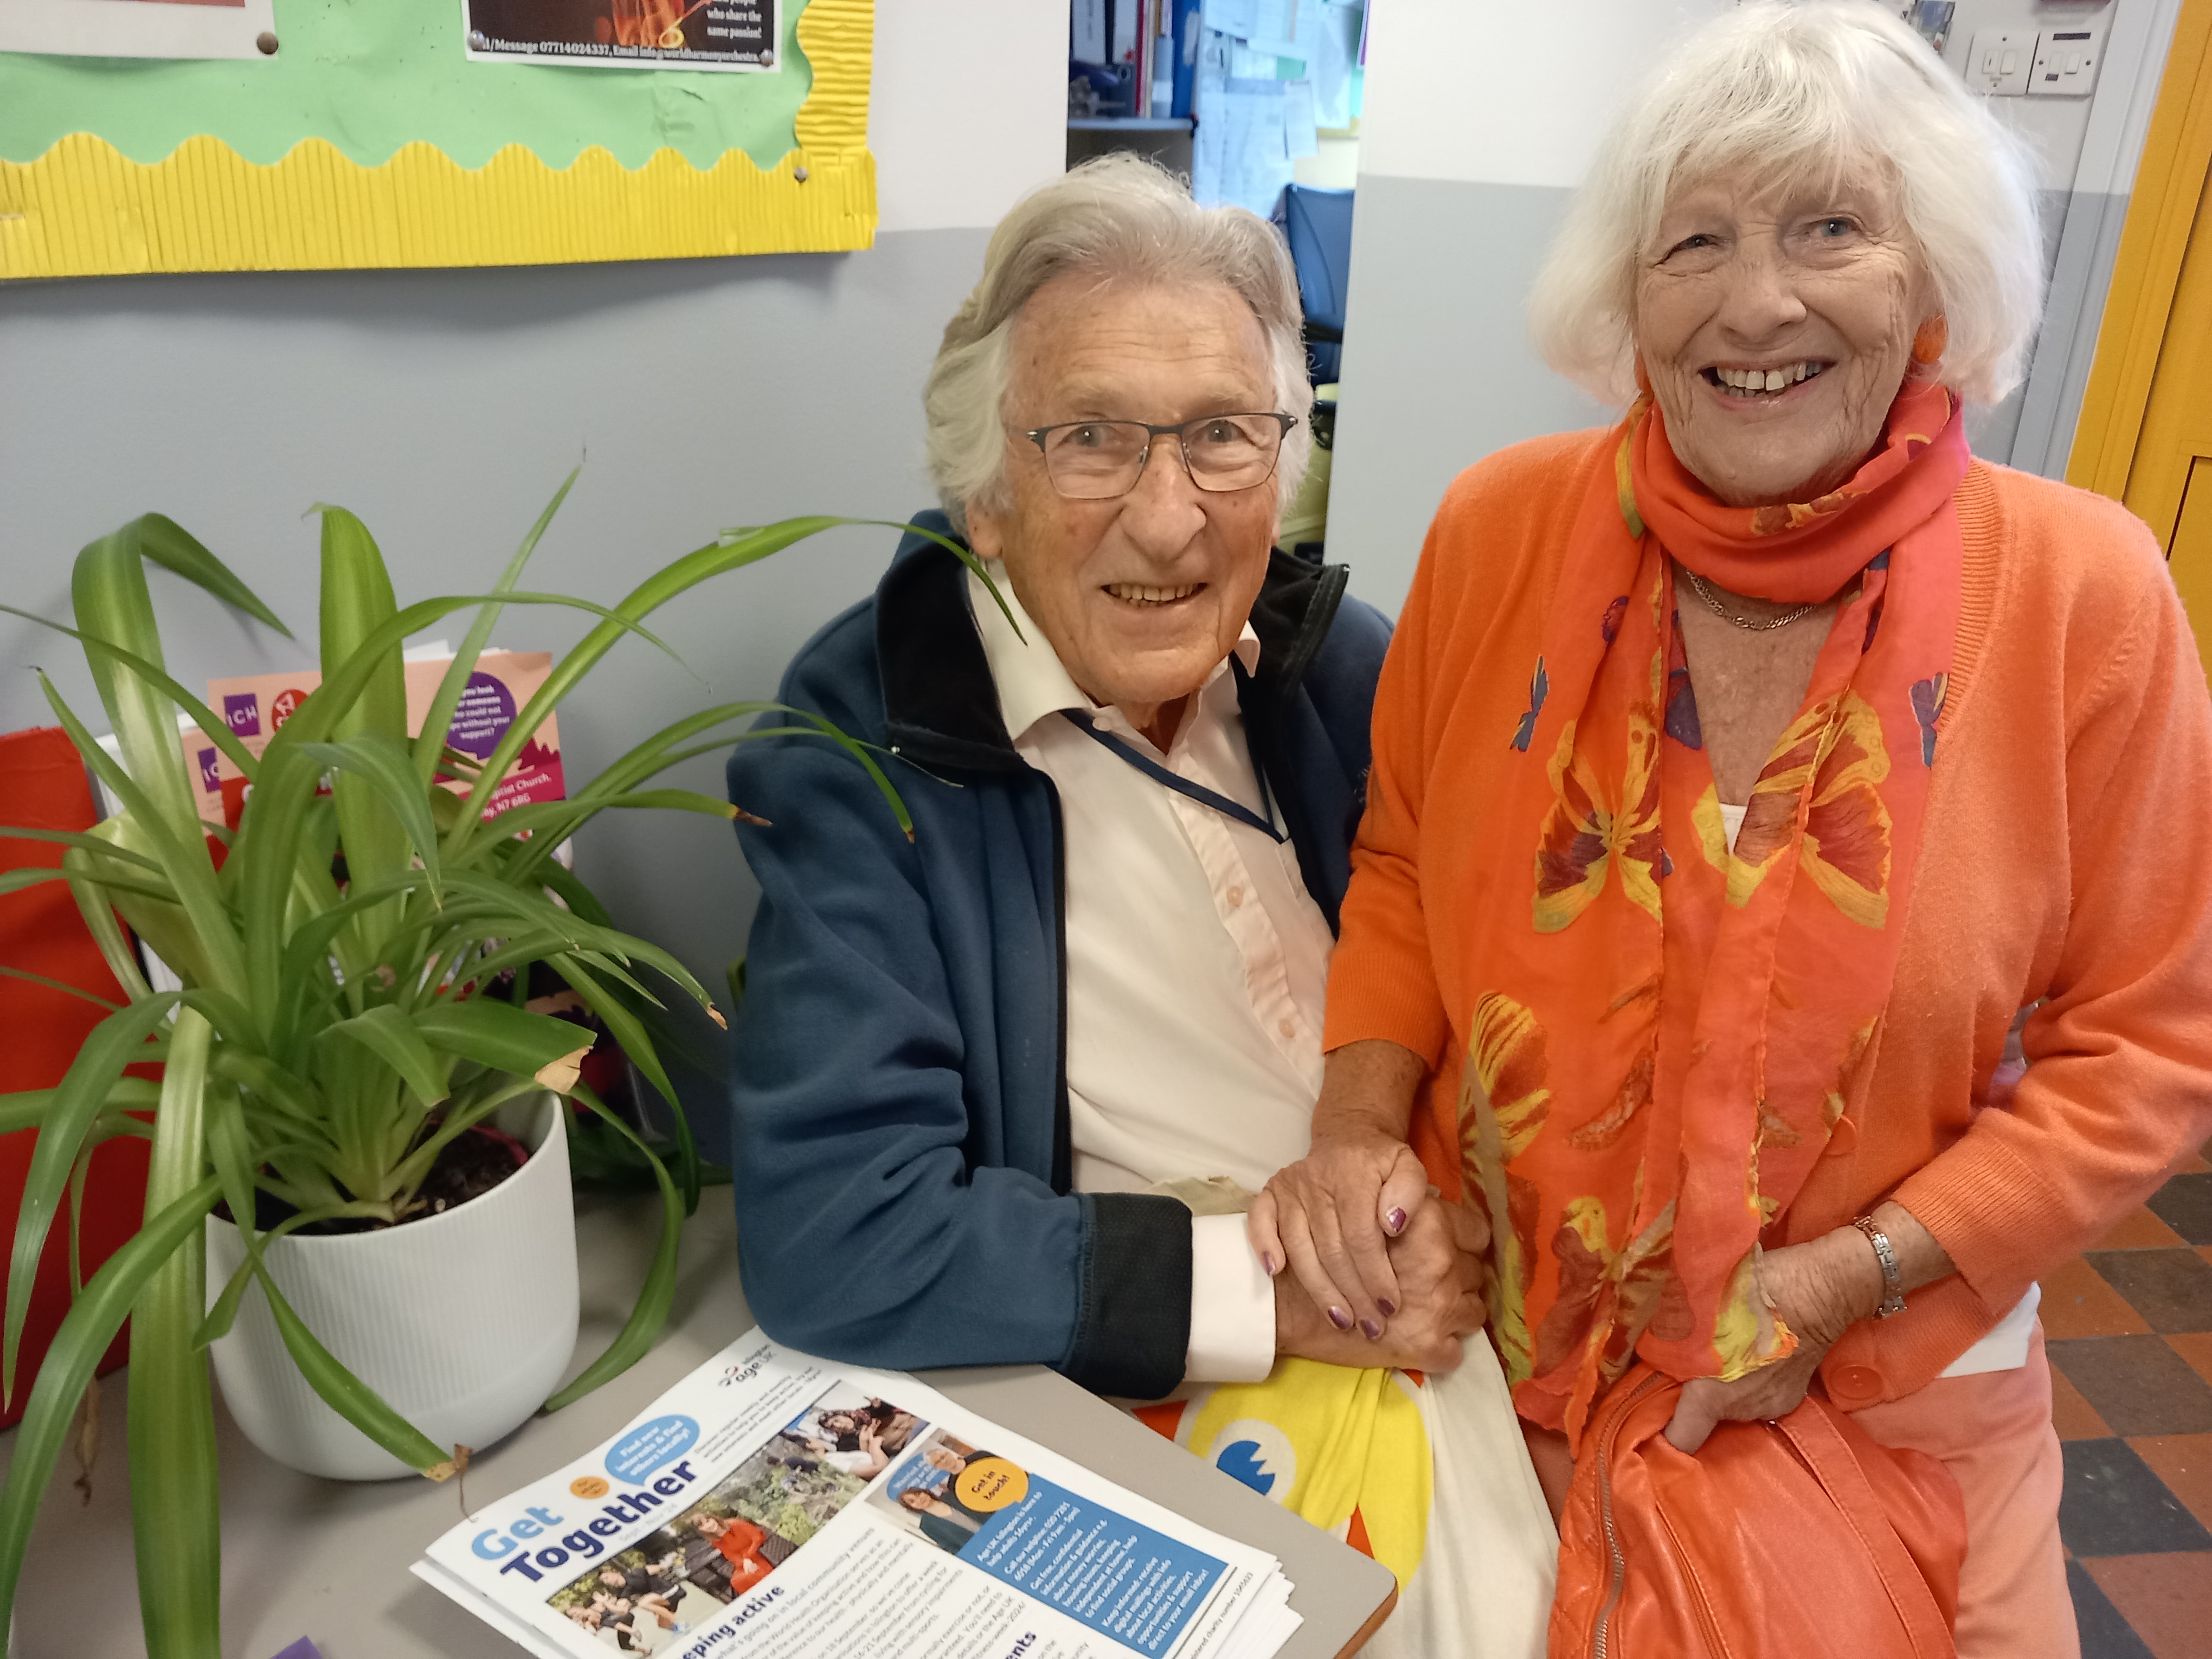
(370, 140)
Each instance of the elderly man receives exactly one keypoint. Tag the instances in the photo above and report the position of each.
(967, 1058)
(1001, 1085)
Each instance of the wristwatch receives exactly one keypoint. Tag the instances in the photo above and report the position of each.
(1893, 1282)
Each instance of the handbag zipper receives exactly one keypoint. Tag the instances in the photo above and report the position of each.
(1616, 1557)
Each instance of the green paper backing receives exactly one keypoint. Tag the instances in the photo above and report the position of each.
(370, 76)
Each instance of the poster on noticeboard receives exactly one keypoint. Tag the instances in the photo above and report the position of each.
(671, 34)
(139, 28)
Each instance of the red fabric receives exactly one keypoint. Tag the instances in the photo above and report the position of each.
(43, 783)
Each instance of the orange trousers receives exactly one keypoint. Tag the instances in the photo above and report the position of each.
(1993, 1431)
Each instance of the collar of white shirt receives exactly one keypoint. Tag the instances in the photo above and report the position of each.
(1031, 680)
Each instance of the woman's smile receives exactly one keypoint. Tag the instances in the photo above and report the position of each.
(1761, 384)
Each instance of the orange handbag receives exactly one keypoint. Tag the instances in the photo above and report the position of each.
(1795, 1539)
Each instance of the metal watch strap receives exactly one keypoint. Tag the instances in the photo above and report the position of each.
(1893, 1282)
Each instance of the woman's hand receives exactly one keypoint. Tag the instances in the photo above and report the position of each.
(1330, 1216)
(1438, 1270)
(1819, 1289)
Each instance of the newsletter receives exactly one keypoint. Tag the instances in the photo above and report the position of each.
(776, 1506)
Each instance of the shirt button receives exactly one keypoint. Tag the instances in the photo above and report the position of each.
(1857, 1385)
(1841, 1139)
(1288, 1028)
(1235, 897)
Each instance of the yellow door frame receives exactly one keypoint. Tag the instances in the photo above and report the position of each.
(2161, 212)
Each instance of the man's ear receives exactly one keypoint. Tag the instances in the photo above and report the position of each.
(987, 533)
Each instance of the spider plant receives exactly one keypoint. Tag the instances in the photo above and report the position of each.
(332, 1033)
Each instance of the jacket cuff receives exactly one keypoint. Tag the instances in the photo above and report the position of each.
(1133, 1328)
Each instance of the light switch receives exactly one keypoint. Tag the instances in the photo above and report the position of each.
(2001, 61)
(2066, 60)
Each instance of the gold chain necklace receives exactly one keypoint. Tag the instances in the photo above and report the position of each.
(1728, 616)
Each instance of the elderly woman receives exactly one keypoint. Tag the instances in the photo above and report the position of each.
(1741, 773)
(1001, 1084)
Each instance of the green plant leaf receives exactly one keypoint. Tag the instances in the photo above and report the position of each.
(212, 726)
(505, 1038)
(657, 1295)
(170, 545)
(438, 720)
(106, 931)
(630, 1033)
(224, 1313)
(58, 985)
(182, 853)
(712, 560)
(387, 1032)
(357, 601)
(105, 849)
(383, 762)
(109, 1046)
(350, 1397)
(175, 1493)
(78, 1348)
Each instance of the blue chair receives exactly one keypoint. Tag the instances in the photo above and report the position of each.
(1317, 224)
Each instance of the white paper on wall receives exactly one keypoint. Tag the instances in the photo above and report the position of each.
(1247, 64)
(1299, 137)
(1232, 17)
(1330, 69)
(1287, 29)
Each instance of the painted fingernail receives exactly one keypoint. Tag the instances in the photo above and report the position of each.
(1390, 1308)
(1396, 1219)
(1267, 1260)
(1373, 1331)
(1341, 1320)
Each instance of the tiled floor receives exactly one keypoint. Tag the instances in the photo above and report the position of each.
(2130, 1325)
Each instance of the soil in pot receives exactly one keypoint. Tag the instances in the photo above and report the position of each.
(469, 1165)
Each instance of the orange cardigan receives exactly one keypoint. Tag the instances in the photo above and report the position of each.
(2068, 860)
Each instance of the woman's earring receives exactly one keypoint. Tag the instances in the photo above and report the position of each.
(1928, 342)
(1642, 379)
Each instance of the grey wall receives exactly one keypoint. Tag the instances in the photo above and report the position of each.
(1437, 367)
(444, 407)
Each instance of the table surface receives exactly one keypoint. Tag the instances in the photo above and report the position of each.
(328, 1559)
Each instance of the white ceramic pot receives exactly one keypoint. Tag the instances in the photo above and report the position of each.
(463, 1321)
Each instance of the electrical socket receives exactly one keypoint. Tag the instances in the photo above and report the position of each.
(2001, 62)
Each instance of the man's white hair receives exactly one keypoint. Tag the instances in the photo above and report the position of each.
(1806, 90)
(1117, 219)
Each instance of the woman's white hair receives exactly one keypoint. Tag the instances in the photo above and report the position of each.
(1806, 90)
(1117, 219)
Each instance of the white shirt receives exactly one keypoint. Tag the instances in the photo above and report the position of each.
(1197, 967)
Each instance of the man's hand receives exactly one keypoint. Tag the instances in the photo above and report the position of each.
(1437, 1269)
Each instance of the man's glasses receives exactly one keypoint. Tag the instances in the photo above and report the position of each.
(1097, 460)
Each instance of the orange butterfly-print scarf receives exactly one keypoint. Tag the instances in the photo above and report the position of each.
(1668, 1028)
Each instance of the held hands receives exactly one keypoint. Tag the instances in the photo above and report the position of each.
(1331, 1217)
(1437, 1273)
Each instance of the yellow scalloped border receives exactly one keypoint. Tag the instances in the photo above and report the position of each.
(84, 208)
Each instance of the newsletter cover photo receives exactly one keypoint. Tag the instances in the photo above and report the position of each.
(682, 1574)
